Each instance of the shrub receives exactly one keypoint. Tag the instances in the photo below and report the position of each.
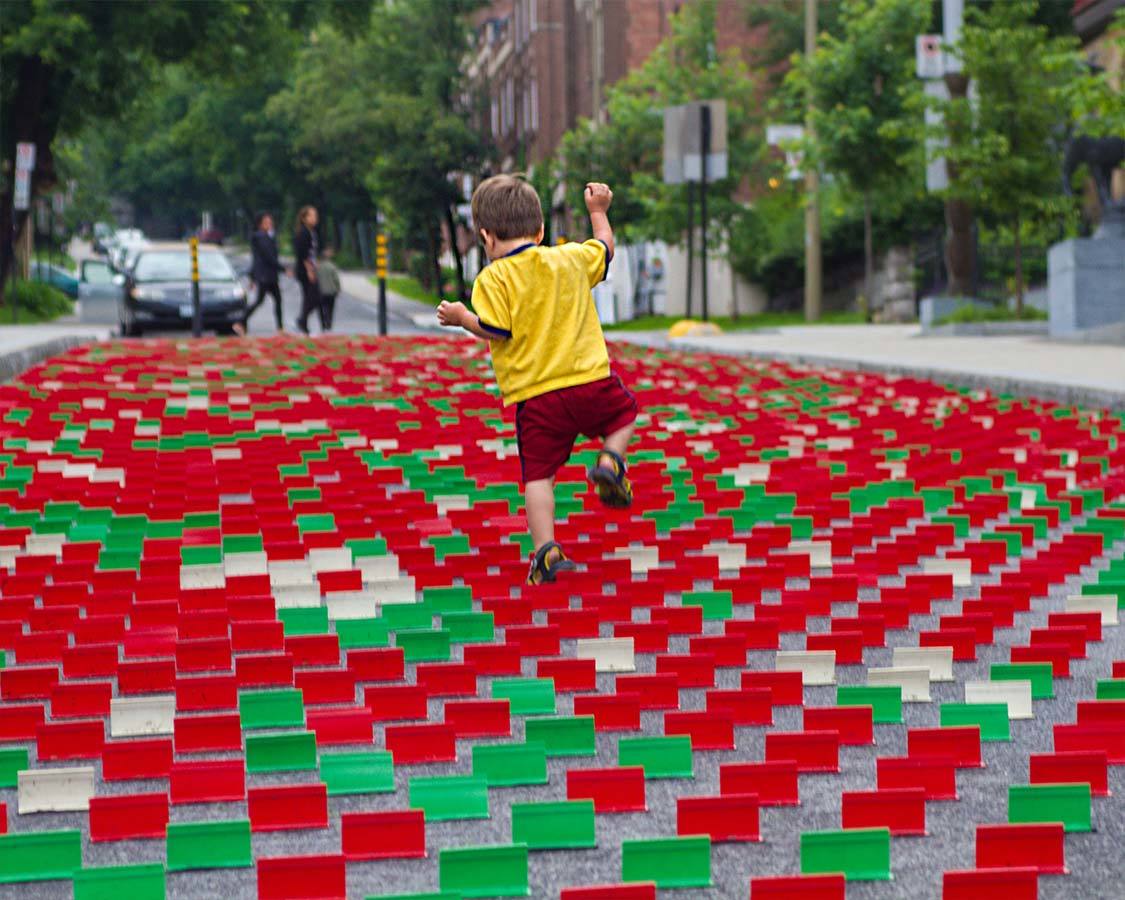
(37, 301)
(968, 314)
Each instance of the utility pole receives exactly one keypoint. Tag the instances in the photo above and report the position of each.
(704, 153)
(381, 272)
(960, 253)
(196, 306)
(813, 281)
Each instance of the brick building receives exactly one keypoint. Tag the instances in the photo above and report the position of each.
(538, 66)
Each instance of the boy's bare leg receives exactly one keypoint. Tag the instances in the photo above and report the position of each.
(618, 443)
(539, 498)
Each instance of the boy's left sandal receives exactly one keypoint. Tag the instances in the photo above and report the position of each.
(547, 562)
(614, 489)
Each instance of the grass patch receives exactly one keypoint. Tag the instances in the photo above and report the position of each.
(36, 302)
(408, 287)
(971, 314)
(742, 323)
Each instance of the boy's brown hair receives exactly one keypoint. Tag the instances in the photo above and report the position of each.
(508, 207)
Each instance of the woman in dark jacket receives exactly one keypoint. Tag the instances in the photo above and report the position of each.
(305, 249)
(265, 268)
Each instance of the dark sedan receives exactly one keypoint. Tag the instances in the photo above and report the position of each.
(158, 292)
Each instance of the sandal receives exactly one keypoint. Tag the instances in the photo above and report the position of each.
(544, 571)
(614, 489)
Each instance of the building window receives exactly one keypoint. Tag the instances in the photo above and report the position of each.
(533, 16)
(495, 117)
(533, 118)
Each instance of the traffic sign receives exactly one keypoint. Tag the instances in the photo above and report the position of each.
(25, 156)
(21, 198)
(928, 56)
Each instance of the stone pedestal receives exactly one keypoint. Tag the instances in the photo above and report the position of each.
(1085, 284)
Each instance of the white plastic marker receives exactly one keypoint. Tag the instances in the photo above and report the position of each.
(939, 660)
(55, 790)
(641, 558)
(817, 667)
(1016, 694)
(819, 552)
(960, 569)
(914, 681)
(608, 654)
(1106, 604)
(137, 716)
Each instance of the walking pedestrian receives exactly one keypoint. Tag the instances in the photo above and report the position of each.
(329, 280)
(305, 248)
(265, 269)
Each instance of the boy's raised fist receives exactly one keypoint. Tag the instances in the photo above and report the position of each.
(598, 197)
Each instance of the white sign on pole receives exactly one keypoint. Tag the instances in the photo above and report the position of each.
(937, 178)
(782, 135)
(25, 156)
(673, 144)
(683, 142)
(21, 199)
(693, 141)
(928, 61)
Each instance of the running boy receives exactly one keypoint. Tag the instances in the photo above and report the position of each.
(534, 307)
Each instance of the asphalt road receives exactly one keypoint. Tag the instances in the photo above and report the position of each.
(353, 315)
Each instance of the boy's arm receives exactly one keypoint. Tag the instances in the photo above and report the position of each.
(598, 199)
(457, 315)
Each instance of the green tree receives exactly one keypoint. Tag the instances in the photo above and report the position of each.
(863, 89)
(627, 151)
(420, 124)
(1005, 153)
(67, 63)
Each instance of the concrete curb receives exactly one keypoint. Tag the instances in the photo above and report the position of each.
(1071, 394)
(15, 362)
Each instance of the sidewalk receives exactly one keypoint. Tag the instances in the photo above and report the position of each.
(1028, 365)
(22, 346)
(409, 313)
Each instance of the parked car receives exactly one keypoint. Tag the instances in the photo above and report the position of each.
(56, 276)
(210, 236)
(103, 231)
(158, 290)
(98, 286)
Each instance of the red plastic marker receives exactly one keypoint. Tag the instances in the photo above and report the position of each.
(128, 816)
(972, 884)
(288, 807)
(423, 743)
(302, 878)
(614, 790)
(799, 887)
(1037, 846)
(937, 776)
(854, 723)
(207, 781)
(960, 743)
(636, 891)
(813, 751)
(394, 834)
(775, 783)
(902, 810)
(728, 817)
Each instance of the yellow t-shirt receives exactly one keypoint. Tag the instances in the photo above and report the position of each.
(538, 300)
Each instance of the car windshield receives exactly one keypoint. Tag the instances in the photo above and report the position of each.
(175, 265)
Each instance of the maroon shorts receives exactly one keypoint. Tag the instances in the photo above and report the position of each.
(548, 425)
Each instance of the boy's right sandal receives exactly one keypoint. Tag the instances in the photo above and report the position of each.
(614, 489)
(547, 562)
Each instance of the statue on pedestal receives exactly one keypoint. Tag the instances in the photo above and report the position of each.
(1101, 156)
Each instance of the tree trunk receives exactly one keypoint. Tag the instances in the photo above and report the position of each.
(1019, 268)
(27, 122)
(435, 260)
(868, 260)
(960, 256)
(462, 291)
